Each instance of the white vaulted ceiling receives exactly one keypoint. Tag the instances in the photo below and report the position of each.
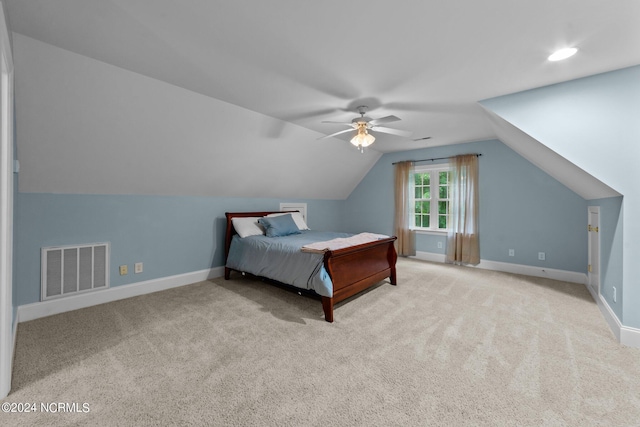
(264, 74)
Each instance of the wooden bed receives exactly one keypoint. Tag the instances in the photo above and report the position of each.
(352, 270)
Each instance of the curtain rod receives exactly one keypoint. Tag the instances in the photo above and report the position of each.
(431, 160)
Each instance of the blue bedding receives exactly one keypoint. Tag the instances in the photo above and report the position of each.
(280, 258)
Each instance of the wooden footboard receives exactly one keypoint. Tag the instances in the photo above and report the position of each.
(357, 268)
(352, 270)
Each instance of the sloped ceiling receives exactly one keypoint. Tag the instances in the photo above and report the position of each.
(579, 181)
(87, 127)
(592, 121)
(272, 71)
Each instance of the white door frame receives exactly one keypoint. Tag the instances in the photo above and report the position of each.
(593, 261)
(6, 206)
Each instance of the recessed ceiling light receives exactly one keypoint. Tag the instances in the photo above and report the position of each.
(561, 54)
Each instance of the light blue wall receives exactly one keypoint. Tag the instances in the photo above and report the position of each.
(611, 232)
(521, 208)
(170, 235)
(594, 123)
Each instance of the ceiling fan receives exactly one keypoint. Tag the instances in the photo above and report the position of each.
(363, 124)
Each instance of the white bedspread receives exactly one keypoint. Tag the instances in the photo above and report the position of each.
(342, 242)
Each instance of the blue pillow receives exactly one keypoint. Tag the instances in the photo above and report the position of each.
(276, 226)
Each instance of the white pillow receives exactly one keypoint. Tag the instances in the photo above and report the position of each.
(297, 218)
(247, 226)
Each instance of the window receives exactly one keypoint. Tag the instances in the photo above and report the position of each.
(430, 204)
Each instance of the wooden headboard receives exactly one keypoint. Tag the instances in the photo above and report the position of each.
(231, 231)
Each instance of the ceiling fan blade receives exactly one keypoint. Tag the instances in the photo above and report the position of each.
(434, 107)
(302, 115)
(381, 120)
(337, 123)
(337, 133)
(392, 131)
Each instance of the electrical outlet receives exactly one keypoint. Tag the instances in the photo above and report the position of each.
(439, 245)
(137, 268)
(541, 256)
(614, 294)
(512, 252)
(124, 270)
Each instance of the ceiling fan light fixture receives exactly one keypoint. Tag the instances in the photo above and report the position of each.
(362, 138)
(363, 124)
(561, 54)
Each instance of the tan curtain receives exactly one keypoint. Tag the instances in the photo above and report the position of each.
(406, 243)
(463, 245)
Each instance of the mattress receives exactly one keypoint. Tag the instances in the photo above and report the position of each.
(281, 259)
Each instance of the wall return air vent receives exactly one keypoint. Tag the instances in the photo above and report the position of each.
(69, 270)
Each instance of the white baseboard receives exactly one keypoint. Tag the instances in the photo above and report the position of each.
(526, 270)
(47, 308)
(609, 316)
(630, 336)
(529, 270)
(625, 335)
(593, 293)
(429, 256)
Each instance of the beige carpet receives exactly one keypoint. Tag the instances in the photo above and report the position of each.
(450, 346)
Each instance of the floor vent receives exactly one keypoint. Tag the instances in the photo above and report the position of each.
(68, 270)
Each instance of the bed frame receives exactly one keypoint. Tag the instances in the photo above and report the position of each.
(352, 270)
